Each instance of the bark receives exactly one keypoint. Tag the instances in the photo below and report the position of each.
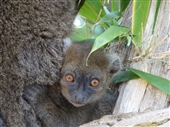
(158, 118)
(138, 95)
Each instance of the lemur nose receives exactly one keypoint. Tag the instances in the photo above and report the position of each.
(79, 99)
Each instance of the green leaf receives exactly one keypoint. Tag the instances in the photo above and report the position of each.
(78, 35)
(114, 5)
(124, 4)
(139, 44)
(90, 10)
(139, 17)
(156, 14)
(161, 83)
(110, 16)
(106, 10)
(107, 36)
(124, 76)
(87, 40)
(97, 31)
(129, 39)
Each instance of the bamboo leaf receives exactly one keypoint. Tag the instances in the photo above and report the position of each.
(106, 10)
(124, 76)
(114, 5)
(129, 39)
(161, 83)
(110, 34)
(124, 4)
(87, 9)
(139, 17)
(110, 16)
(79, 34)
(91, 9)
(156, 14)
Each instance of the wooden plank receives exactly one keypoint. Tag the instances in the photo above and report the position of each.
(152, 118)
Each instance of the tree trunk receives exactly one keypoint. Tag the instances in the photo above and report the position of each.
(138, 95)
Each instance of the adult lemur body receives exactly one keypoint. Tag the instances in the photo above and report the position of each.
(31, 51)
(81, 94)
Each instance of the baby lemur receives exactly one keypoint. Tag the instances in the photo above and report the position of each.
(81, 95)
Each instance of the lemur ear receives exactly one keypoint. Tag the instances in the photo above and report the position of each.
(67, 43)
(115, 63)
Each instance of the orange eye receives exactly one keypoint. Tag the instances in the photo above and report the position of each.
(94, 82)
(69, 78)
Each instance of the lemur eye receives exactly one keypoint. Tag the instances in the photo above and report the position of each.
(94, 82)
(69, 78)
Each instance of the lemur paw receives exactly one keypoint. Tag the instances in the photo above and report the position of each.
(32, 93)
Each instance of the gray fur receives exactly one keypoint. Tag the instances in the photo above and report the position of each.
(31, 51)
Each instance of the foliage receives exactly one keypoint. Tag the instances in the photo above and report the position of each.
(101, 20)
(97, 16)
(124, 76)
(140, 12)
(160, 83)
